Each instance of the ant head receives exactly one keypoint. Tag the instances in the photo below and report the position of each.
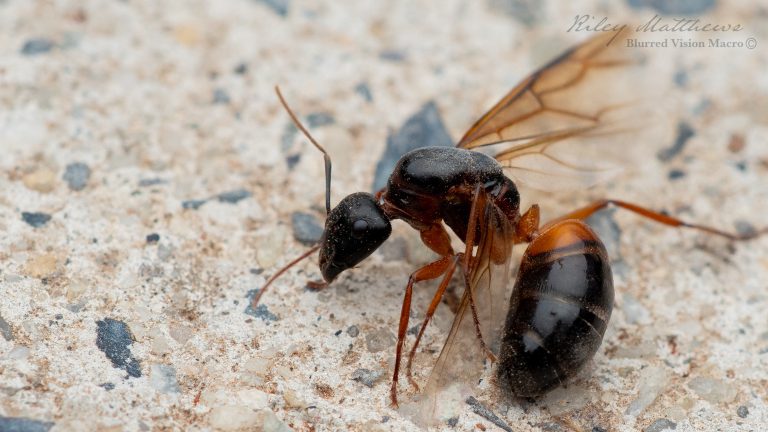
(355, 228)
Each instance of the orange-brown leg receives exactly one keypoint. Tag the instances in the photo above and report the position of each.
(432, 270)
(585, 212)
(430, 313)
(528, 225)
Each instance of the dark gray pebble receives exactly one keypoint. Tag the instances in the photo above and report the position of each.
(366, 376)
(528, 12)
(279, 7)
(599, 429)
(674, 7)
(193, 204)
(675, 174)
(114, 338)
(37, 46)
(220, 96)
(76, 175)
(742, 411)
(233, 196)
(151, 182)
(241, 69)
(661, 425)
(107, 386)
(20, 424)
(353, 331)
(153, 238)
(318, 119)
(423, 129)
(392, 55)
(363, 90)
(306, 228)
(684, 133)
(35, 219)
(453, 421)
(5, 329)
(261, 310)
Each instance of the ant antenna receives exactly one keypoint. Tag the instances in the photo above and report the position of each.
(319, 147)
(255, 300)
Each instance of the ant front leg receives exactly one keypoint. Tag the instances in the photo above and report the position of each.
(430, 271)
(661, 218)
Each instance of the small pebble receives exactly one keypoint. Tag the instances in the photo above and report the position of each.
(279, 7)
(261, 310)
(712, 390)
(233, 417)
(241, 68)
(379, 340)
(742, 411)
(41, 179)
(364, 91)
(76, 175)
(35, 219)
(151, 182)
(653, 380)
(353, 331)
(453, 421)
(220, 96)
(367, 376)
(5, 329)
(306, 229)
(744, 228)
(294, 399)
(681, 78)
(675, 7)
(153, 238)
(233, 196)
(661, 425)
(163, 378)
(320, 119)
(107, 386)
(675, 174)
(41, 266)
(599, 429)
(392, 55)
(114, 338)
(193, 204)
(37, 46)
(20, 424)
(684, 133)
(528, 12)
(423, 129)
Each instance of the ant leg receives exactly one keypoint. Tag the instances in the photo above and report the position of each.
(528, 225)
(585, 212)
(432, 270)
(430, 313)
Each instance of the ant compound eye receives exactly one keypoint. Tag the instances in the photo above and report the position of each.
(359, 228)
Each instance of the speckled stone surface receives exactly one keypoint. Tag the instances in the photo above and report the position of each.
(150, 183)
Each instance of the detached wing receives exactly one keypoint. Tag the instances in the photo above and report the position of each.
(541, 129)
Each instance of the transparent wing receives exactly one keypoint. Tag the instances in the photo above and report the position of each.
(456, 372)
(551, 130)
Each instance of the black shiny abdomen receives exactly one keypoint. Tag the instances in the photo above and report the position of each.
(559, 310)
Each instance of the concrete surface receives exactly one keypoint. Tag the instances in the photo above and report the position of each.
(150, 182)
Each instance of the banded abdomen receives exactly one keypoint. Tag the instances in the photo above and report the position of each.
(558, 312)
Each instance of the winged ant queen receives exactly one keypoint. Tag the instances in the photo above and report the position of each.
(562, 298)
